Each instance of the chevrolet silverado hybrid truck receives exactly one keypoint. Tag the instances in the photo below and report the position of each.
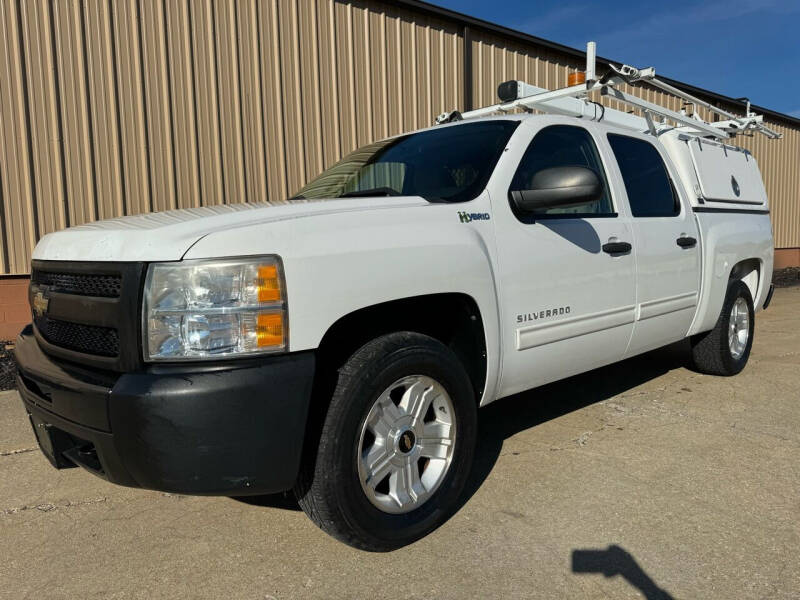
(339, 344)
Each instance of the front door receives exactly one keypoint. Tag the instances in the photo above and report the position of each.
(567, 305)
(666, 242)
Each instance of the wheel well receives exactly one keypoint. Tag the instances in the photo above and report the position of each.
(748, 271)
(453, 319)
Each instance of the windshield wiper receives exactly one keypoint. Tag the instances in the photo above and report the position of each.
(379, 191)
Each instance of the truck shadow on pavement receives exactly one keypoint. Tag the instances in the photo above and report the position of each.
(613, 561)
(505, 418)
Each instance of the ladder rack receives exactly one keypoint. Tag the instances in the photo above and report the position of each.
(573, 100)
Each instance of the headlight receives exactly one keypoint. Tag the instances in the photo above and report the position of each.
(208, 309)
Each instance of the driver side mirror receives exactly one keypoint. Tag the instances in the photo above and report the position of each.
(559, 187)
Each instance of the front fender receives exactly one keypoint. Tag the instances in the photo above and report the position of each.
(338, 263)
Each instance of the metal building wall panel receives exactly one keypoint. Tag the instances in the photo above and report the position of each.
(394, 76)
(105, 111)
(291, 94)
(272, 103)
(362, 74)
(422, 69)
(19, 232)
(308, 43)
(376, 54)
(410, 78)
(182, 104)
(230, 114)
(74, 114)
(123, 140)
(328, 83)
(43, 113)
(117, 107)
(157, 104)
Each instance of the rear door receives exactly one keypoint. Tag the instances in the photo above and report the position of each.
(666, 243)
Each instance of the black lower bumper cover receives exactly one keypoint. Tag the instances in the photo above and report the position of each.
(230, 429)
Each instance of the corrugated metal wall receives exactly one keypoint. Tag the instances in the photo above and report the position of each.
(114, 107)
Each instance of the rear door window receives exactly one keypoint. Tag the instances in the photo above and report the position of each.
(647, 182)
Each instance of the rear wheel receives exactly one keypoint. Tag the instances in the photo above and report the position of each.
(725, 349)
(396, 444)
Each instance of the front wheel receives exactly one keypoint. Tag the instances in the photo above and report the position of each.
(725, 349)
(396, 445)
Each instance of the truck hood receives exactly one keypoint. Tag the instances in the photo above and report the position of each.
(168, 235)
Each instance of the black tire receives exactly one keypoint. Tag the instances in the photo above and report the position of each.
(711, 352)
(328, 487)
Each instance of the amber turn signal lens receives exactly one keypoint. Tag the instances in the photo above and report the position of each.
(576, 78)
(269, 330)
(269, 286)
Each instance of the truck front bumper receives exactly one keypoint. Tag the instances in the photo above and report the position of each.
(232, 428)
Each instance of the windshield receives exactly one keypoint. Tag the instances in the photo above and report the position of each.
(450, 164)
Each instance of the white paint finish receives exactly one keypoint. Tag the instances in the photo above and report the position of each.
(556, 263)
(666, 274)
(547, 333)
(664, 271)
(168, 235)
(727, 239)
(340, 262)
(704, 169)
(664, 306)
(717, 165)
(751, 281)
(347, 254)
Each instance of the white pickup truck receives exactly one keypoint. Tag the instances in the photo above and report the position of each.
(339, 344)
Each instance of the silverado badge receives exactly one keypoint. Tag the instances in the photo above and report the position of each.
(40, 304)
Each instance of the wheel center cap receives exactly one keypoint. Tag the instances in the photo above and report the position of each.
(406, 442)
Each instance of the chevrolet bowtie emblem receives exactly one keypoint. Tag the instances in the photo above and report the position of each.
(40, 304)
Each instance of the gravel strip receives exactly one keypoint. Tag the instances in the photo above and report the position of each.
(8, 368)
(788, 277)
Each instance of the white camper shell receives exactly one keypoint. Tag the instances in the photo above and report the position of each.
(716, 174)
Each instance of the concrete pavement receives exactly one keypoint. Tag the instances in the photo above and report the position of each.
(641, 479)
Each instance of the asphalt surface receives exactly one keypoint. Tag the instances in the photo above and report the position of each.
(641, 479)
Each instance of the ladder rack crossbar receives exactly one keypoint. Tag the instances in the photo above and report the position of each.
(573, 101)
(689, 98)
(536, 101)
(649, 107)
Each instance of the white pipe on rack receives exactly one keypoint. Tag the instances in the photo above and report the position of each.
(564, 102)
(688, 97)
(591, 58)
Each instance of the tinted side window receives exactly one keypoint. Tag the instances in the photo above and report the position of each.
(563, 146)
(649, 188)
